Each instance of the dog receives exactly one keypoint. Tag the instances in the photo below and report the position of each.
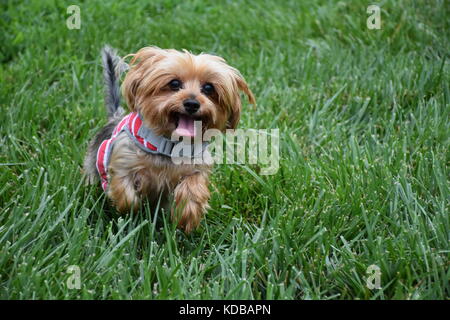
(166, 91)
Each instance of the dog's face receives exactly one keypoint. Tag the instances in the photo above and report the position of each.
(172, 89)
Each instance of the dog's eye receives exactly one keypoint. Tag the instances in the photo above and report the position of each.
(175, 84)
(208, 89)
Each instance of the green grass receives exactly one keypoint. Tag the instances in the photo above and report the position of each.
(364, 123)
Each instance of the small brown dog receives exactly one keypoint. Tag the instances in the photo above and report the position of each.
(166, 91)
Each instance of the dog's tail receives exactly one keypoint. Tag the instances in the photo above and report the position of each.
(112, 69)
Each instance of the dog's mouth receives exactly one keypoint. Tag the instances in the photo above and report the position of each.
(185, 124)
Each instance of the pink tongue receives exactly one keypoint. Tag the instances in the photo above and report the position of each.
(185, 126)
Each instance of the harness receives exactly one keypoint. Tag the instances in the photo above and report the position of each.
(142, 136)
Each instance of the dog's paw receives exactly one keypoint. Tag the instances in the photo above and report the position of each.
(190, 215)
(191, 198)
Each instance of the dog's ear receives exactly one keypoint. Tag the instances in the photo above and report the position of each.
(236, 106)
(141, 63)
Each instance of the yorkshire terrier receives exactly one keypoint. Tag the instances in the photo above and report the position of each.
(166, 92)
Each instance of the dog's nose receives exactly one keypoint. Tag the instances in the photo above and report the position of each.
(191, 105)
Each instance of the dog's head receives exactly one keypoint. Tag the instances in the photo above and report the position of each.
(172, 89)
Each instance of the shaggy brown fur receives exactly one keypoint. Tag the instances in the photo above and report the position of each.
(135, 174)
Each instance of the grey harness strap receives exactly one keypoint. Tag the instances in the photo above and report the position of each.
(164, 145)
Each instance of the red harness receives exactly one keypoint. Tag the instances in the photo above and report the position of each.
(146, 140)
(131, 124)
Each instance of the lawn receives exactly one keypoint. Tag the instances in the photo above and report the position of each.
(363, 180)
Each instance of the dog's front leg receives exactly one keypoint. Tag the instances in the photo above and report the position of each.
(122, 192)
(191, 198)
